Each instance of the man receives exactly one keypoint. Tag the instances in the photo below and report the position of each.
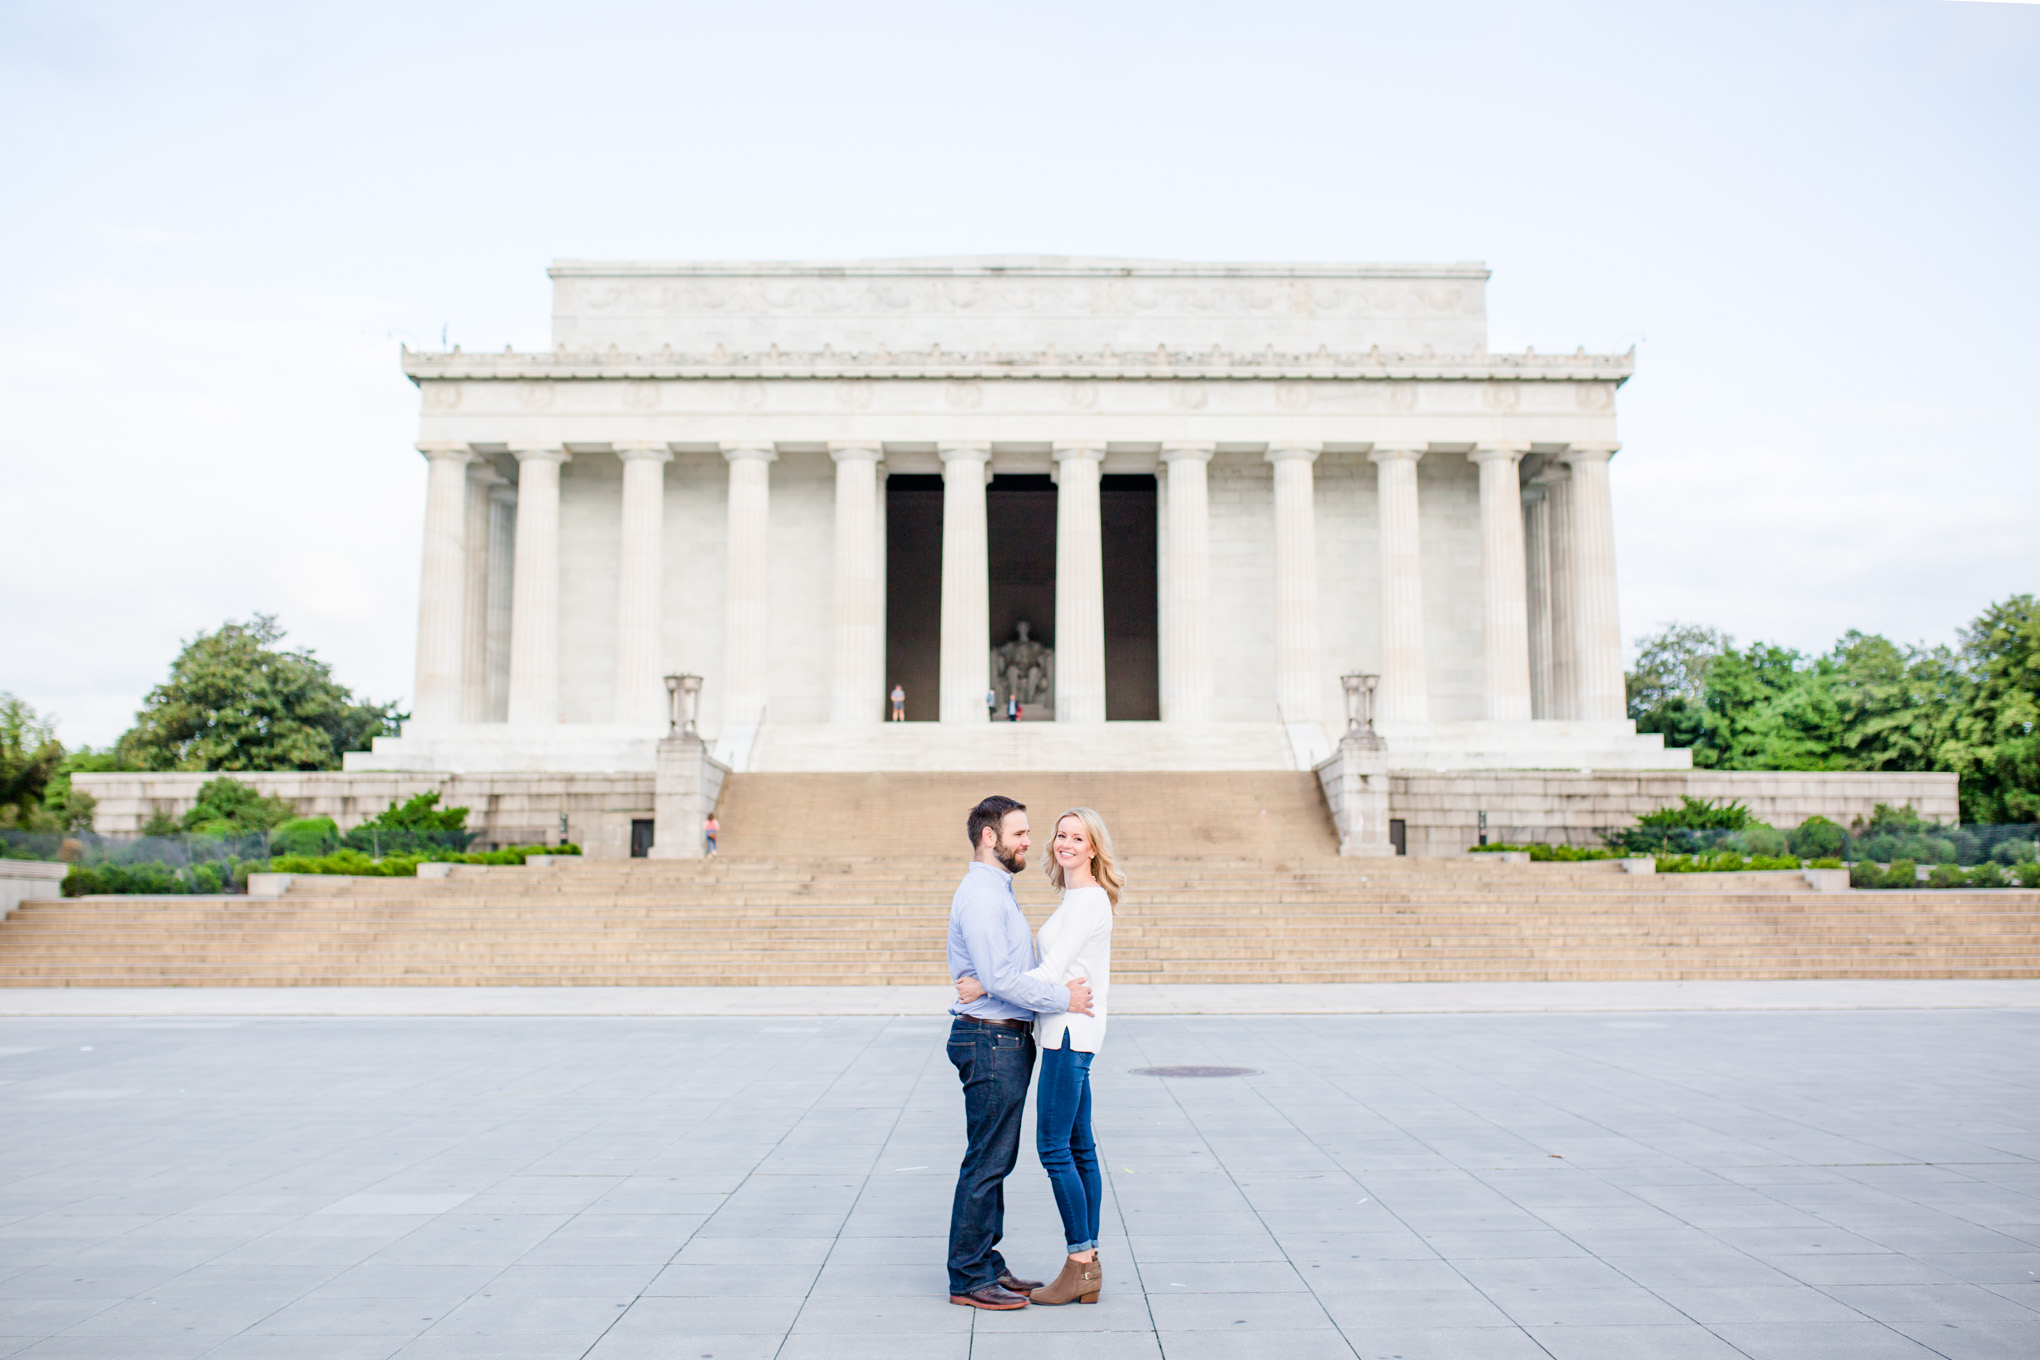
(899, 703)
(991, 1042)
(991, 705)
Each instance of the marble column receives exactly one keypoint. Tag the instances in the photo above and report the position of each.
(640, 694)
(1079, 586)
(747, 585)
(857, 673)
(1186, 593)
(535, 608)
(1537, 594)
(1405, 668)
(1505, 626)
(966, 670)
(1556, 479)
(1299, 685)
(477, 548)
(1161, 573)
(502, 583)
(1597, 626)
(442, 586)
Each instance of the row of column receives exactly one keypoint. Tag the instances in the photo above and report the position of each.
(1551, 639)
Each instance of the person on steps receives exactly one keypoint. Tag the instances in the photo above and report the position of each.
(991, 1044)
(1076, 942)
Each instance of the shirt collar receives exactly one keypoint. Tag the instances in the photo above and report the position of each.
(1004, 877)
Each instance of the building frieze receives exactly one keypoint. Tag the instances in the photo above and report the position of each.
(1160, 363)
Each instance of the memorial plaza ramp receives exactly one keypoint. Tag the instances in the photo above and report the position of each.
(833, 879)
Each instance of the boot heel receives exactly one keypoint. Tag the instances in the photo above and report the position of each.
(1091, 1297)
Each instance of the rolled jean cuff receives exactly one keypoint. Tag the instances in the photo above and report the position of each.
(1091, 1245)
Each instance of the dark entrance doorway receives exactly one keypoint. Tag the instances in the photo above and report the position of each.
(913, 592)
(1133, 674)
(1020, 548)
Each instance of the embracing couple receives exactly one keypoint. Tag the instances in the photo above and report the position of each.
(1010, 997)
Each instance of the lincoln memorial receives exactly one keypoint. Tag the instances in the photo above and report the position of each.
(1164, 507)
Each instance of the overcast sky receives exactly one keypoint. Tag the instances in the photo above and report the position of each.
(1816, 222)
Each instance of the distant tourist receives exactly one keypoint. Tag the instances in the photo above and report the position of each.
(991, 1043)
(899, 704)
(709, 829)
(1012, 708)
(991, 705)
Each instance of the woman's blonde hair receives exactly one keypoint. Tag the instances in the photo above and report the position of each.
(1102, 867)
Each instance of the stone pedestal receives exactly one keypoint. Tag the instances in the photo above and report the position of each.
(1355, 782)
(686, 783)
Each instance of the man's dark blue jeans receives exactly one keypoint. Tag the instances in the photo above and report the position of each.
(994, 1063)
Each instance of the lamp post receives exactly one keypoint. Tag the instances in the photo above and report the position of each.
(683, 704)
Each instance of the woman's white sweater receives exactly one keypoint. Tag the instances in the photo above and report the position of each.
(1075, 943)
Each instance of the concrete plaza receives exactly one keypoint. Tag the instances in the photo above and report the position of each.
(1787, 1184)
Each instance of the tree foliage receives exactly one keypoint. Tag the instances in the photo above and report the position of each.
(1866, 704)
(30, 757)
(237, 701)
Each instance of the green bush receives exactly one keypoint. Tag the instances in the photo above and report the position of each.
(2028, 874)
(1947, 876)
(1903, 873)
(305, 836)
(1826, 862)
(1538, 852)
(212, 877)
(1864, 874)
(2014, 852)
(1989, 875)
(1818, 838)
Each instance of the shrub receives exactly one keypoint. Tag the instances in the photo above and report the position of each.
(1989, 875)
(1826, 862)
(305, 836)
(2014, 852)
(1818, 838)
(1903, 873)
(2028, 874)
(1946, 876)
(1864, 874)
(227, 807)
(1760, 840)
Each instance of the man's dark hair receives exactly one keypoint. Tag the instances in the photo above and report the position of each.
(990, 813)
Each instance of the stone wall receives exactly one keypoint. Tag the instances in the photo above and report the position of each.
(505, 809)
(1441, 811)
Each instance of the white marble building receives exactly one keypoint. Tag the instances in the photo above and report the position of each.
(1212, 489)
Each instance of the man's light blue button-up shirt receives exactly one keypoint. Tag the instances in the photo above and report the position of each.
(990, 940)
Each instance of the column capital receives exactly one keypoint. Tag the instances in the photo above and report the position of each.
(1188, 453)
(541, 454)
(656, 452)
(749, 453)
(964, 453)
(1381, 455)
(435, 450)
(857, 453)
(1078, 452)
(1284, 453)
(1598, 453)
(1494, 451)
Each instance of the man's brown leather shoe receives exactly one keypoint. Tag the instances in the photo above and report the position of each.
(993, 1296)
(1019, 1286)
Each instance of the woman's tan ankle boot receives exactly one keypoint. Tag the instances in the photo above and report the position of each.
(1078, 1283)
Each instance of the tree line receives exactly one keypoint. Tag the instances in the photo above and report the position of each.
(235, 700)
(1867, 703)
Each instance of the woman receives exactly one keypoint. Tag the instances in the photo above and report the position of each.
(1076, 942)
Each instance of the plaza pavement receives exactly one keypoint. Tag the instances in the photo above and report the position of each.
(1699, 1173)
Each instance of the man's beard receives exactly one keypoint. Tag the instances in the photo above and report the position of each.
(1011, 862)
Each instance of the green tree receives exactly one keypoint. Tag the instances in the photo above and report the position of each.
(1668, 687)
(1993, 742)
(30, 756)
(236, 701)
